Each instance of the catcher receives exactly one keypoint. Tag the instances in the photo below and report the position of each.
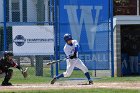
(5, 63)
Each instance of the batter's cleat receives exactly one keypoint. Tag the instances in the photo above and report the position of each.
(53, 80)
(90, 82)
(6, 84)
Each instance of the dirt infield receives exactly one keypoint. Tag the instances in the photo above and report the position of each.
(71, 85)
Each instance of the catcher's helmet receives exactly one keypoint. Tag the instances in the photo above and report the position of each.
(6, 53)
(67, 37)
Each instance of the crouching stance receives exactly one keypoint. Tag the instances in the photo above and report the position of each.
(71, 51)
(5, 63)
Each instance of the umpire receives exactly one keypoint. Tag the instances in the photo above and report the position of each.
(5, 63)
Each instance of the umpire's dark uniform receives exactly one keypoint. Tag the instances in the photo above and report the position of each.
(5, 64)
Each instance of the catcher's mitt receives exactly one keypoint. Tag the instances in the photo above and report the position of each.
(24, 72)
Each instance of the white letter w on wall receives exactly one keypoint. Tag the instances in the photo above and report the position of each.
(85, 18)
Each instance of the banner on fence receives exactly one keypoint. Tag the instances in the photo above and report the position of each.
(88, 21)
(33, 40)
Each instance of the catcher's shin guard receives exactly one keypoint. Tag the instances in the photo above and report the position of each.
(53, 80)
(8, 76)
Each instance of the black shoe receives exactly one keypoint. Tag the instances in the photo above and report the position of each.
(53, 81)
(90, 82)
(6, 84)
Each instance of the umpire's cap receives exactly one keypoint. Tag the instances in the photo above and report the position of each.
(67, 37)
(8, 53)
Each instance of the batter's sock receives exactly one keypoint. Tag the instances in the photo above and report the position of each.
(59, 76)
(87, 75)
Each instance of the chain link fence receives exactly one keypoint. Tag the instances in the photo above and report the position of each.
(27, 13)
(45, 13)
(89, 22)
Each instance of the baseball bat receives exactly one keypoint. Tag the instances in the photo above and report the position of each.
(55, 61)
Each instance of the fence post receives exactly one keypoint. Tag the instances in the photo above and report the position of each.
(40, 18)
(112, 38)
(4, 26)
(39, 65)
(56, 35)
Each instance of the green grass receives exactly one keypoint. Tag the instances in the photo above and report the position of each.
(78, 91)
(18, 78)
(119, 79)
(79, 74)
(76, 74)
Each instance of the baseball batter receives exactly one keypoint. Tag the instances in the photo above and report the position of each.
(71, 51)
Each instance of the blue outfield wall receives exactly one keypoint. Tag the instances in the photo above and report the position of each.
(89, 22)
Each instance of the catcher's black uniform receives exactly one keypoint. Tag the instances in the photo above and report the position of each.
(4, 69)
